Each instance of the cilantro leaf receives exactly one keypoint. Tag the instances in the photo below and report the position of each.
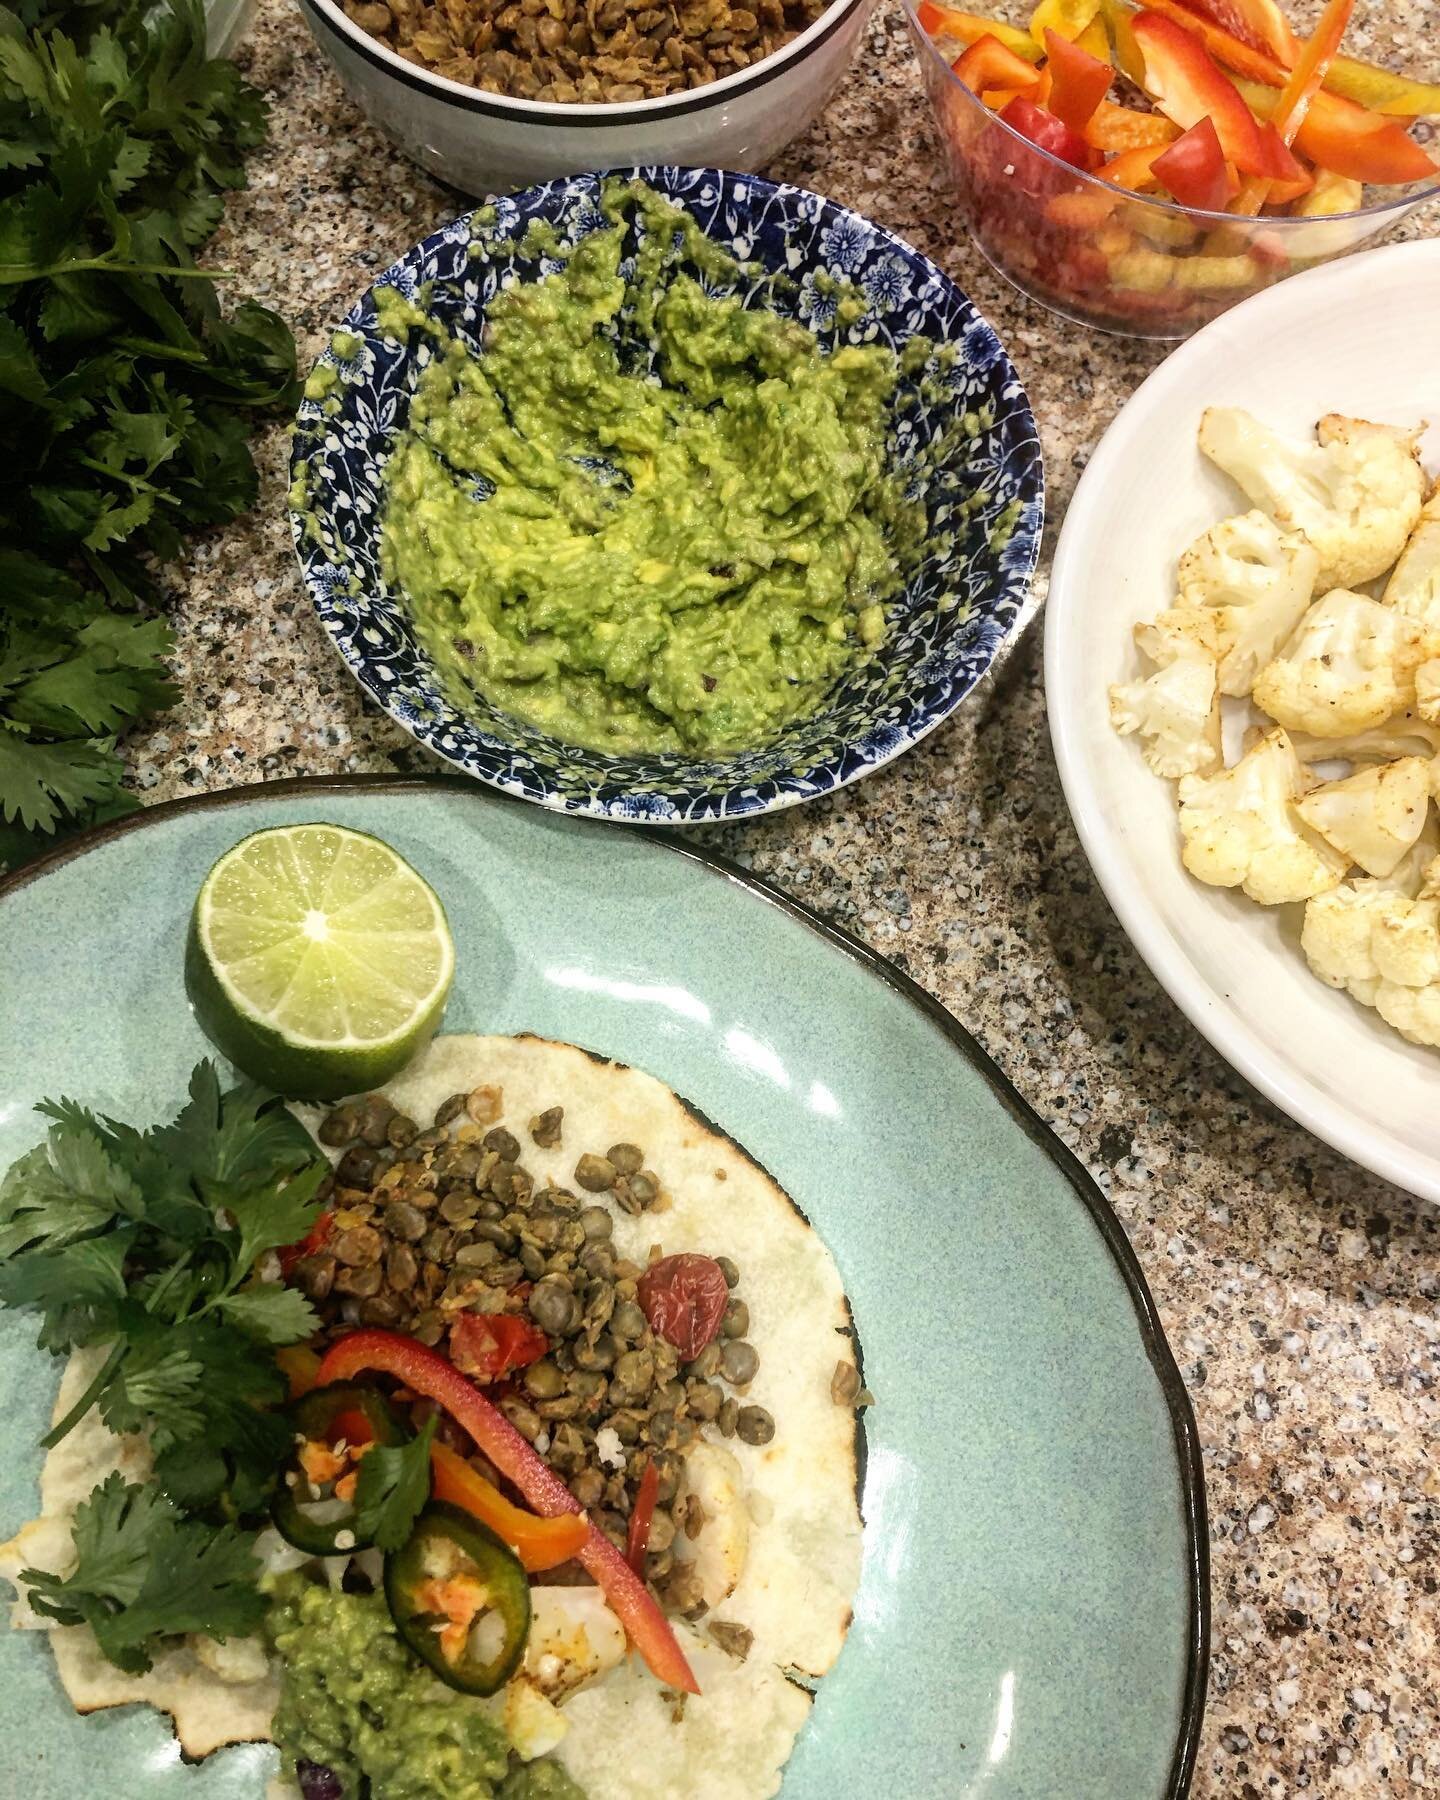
(271, 1314)
(64, 1189)
(394, 1484)
(39, 782)
(222, 1139)
(112, 1532)
(144, 1573)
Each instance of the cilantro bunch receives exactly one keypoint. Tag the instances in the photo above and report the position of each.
(145, 1242)
(125, 387)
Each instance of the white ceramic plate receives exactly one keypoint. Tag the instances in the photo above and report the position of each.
(1360, 337)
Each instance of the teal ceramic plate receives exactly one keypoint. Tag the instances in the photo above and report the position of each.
(1031, 1622)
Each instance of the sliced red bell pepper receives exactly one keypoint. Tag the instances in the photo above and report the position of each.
(1047, 132)
(968, 28)
(1194, 169)
(486, 1346)
(1078, 81)
(988, 64)
(1114, 127)
(1258, 65)
(638, 1539)
(1348, 78)
(427, 1372)
(1188, 85)
(1259, 23)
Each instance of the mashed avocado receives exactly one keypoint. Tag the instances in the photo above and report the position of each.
(641, 565)
(353, 1698)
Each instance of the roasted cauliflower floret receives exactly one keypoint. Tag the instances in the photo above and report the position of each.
(1356, 493)
(1414, 591)
(1240, 828)
(1258, 580)
(1383, 947)
(1350, 666)
(1414, 587)
(1373, 816)
(1177, 709)
(1405, 734)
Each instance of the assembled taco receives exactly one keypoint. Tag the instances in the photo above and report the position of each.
(569, 1495)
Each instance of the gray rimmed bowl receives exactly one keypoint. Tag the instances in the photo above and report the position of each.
(968, 598)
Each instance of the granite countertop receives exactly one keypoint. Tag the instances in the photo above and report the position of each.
(1299, 1293)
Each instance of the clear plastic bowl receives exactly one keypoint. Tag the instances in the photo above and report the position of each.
(1112, 259)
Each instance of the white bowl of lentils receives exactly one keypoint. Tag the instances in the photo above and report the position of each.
(497, 94)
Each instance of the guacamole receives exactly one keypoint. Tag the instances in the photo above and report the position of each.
(680, 562)
(354, 1699)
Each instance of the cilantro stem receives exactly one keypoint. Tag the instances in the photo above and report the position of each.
(92, 1393)
(15, 274)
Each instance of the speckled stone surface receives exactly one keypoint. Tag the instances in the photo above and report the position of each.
(1299, 1294)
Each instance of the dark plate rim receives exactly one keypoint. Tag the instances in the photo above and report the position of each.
(1162, 1360)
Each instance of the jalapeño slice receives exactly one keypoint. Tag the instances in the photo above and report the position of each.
(333, 1426)
(459, 1599)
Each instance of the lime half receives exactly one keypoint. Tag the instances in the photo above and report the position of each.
(318, 960)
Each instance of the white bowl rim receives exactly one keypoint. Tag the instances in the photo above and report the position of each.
(1206, 1007)
(589, 113)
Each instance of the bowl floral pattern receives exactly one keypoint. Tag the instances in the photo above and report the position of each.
(984, 501)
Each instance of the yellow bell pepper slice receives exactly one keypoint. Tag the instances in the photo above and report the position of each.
(968, 28)
(1068, 18)
(1126, 57)
(1095, 40)
(1381, 91)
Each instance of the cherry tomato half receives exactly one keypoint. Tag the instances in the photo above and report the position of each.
(683, 1298)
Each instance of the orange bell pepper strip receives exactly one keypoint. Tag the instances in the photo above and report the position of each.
(426, 1372)
(1114, 127)
(1316, 55)
(1133, 170)
(1348, 140)
(967, 28)
(299, 1365)
(1188, 85)
(539, 1543)
(988, 64)
(1078, 81)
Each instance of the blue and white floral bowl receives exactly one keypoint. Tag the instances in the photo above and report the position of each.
(968, 597)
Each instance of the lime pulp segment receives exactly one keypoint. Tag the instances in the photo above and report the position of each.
(325, 936)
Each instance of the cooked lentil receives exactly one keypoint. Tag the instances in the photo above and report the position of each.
(583, 50)
(429, 1223)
